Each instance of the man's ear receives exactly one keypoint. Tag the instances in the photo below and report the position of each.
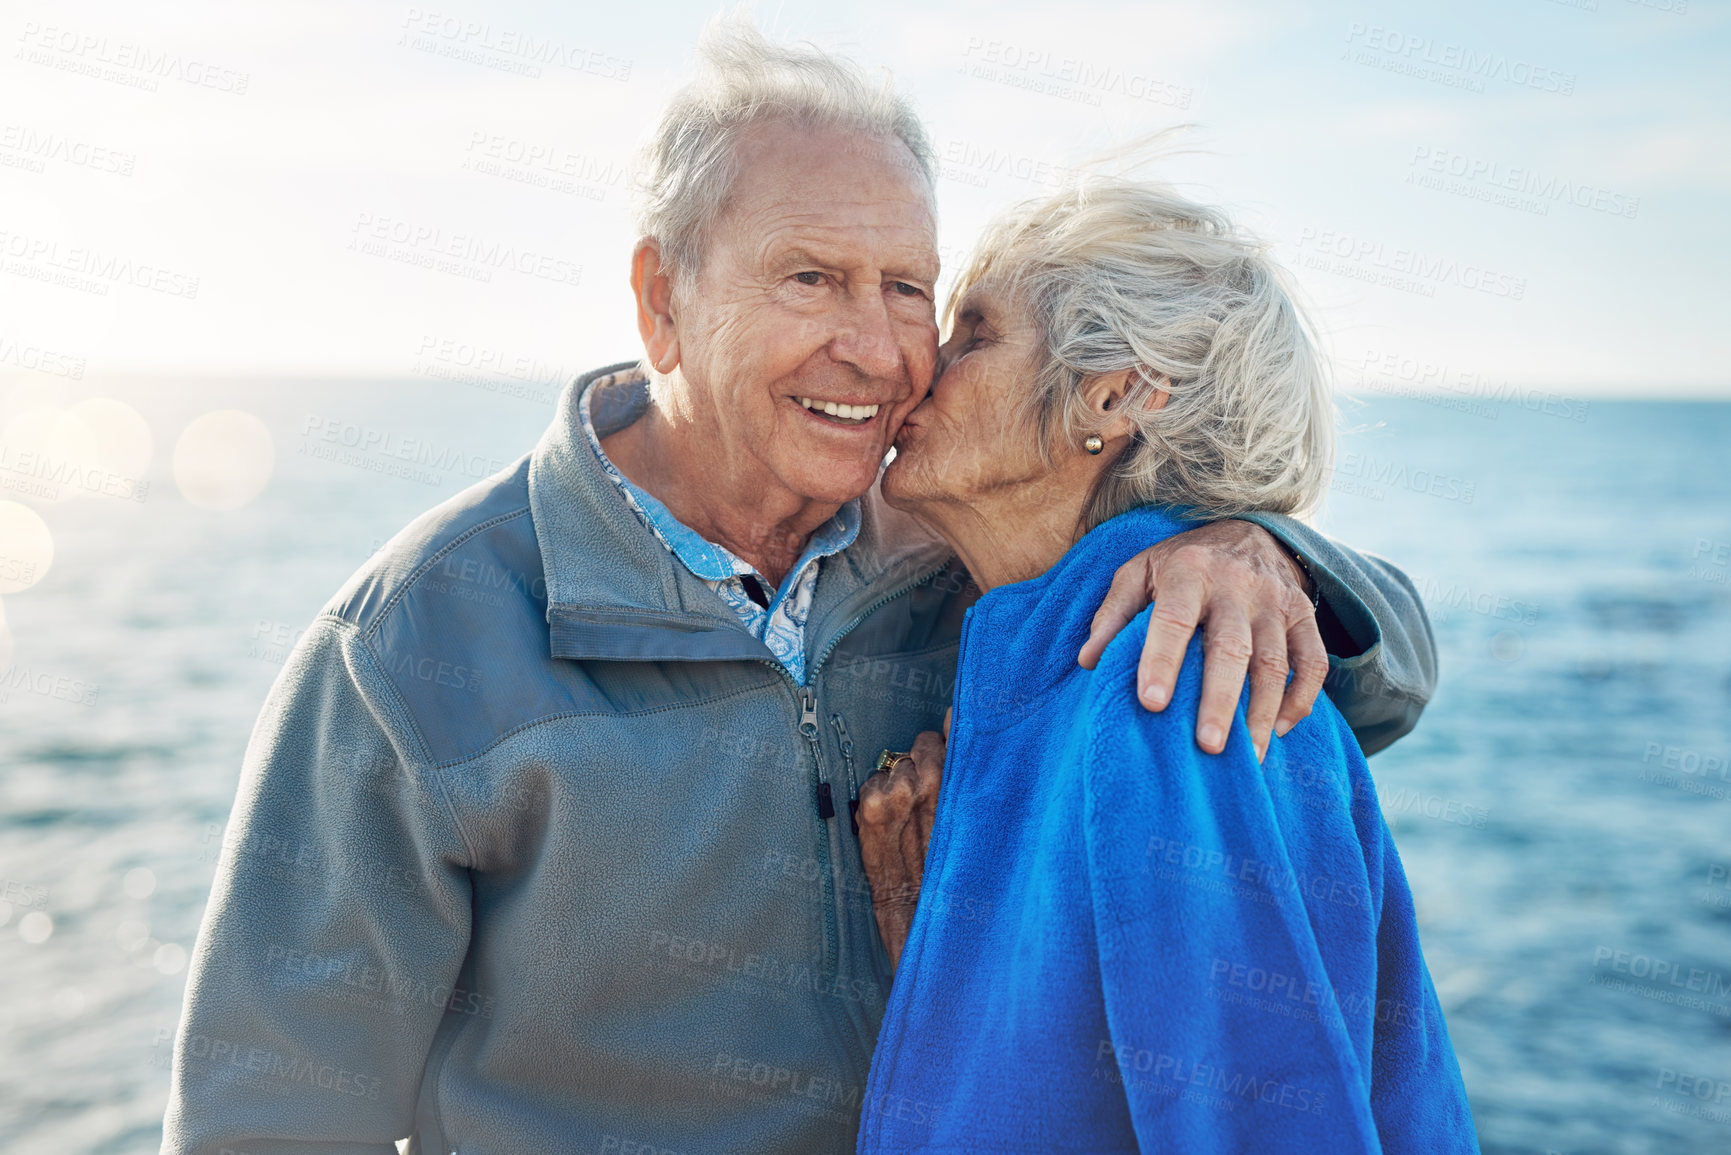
(653, 287)
(1109, 394)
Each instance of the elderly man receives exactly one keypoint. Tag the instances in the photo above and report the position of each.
(571, 867)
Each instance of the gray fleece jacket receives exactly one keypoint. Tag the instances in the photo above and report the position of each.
(537, 849)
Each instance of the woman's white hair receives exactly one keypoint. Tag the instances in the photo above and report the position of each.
(686, 168)
(1127, 275)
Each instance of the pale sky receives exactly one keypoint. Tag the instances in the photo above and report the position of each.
(1529, 191)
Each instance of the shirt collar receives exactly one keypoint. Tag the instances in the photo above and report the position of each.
(704, 558)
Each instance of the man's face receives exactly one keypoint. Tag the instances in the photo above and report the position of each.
(816, 293)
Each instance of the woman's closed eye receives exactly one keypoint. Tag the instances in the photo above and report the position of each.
(979, 337)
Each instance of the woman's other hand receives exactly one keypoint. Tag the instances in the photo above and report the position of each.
(896, 810)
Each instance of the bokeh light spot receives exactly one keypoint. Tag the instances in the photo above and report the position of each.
(68, 1002)
(224, 459)
(26, 548)
(170, 958)
(47, 452)
(140, 882)
(122, 447)
(131, 934)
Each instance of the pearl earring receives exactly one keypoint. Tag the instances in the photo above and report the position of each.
(1093, 444)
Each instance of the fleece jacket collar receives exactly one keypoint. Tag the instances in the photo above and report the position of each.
(615, 593)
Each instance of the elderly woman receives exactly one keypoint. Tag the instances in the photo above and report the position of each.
(1122, 943)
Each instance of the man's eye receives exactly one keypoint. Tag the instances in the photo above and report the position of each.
(809, 278)
(908, 290)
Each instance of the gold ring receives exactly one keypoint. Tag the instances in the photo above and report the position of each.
(889, 758)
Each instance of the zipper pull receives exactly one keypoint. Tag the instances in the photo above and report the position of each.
(847, 761)
(808, 728)
(842, 735)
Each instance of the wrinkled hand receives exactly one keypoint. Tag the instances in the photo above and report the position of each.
(1249, 595)
(896, 810)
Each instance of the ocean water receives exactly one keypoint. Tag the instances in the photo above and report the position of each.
(1563, 809)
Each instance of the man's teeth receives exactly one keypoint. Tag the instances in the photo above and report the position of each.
(845, 412)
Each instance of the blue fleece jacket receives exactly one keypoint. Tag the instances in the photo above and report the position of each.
(1124, 944)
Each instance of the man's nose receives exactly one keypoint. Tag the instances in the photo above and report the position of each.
(866, 339)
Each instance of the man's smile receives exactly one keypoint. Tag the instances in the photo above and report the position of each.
(843, 416)
(841, 411)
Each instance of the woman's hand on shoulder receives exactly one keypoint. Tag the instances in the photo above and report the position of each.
(1250, 598)
(897, 807)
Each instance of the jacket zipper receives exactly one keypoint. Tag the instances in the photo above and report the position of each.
(825, 811)
(846, 744)
(808, 729)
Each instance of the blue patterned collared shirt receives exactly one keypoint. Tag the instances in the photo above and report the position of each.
(781, 626)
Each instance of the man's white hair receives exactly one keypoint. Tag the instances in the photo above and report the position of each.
(1127, 275)
(685, 170)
